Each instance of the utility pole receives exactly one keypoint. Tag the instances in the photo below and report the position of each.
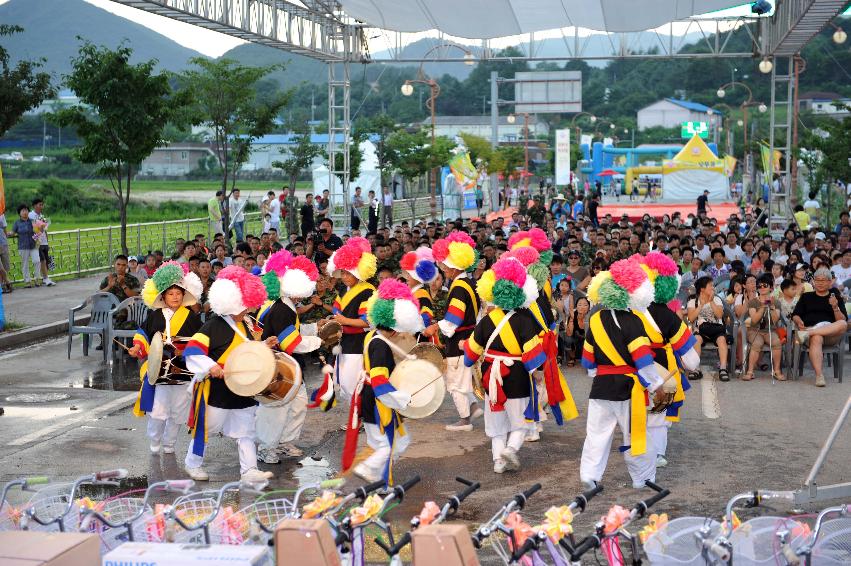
(494, 180)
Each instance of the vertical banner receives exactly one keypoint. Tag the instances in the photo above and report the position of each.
(563, 157)
(2, 193)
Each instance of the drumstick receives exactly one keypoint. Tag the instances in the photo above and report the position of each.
(426, 385)
(120, 343)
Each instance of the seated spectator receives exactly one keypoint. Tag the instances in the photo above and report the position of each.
(136, 268)
(787, 297)
(123, 285)
(718, 269)
(763, 314)
(705, 312)
(821, 319)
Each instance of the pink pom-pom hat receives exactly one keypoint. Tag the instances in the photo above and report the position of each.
(391, 289)
(526, 255)
(661, 264)
(628, 274)
(510, 269)
(278, 262)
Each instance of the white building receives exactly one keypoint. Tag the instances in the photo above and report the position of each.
(823, 103)
(451, 126)
(672, 112)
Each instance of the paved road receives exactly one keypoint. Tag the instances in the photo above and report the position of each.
(41, 305)
(761, 435)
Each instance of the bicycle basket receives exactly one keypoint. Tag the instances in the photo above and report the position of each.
(833, 547)
(679, 542)
(269, 513)
(50, 503)
(755, 542)
(119, 509)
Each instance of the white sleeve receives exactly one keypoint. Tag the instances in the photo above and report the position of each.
(447, 328)
(199, 364)
(691, 360)
(651, 377)
(395, 399)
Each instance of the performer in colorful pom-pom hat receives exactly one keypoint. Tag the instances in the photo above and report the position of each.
(286, 277)
(509, 344)
(457, 256)
(536, 239)
(169, 292)
(671, 341)
(618, 357)
(419, 269)
(354, 264)
(391, 310)
(215, 408)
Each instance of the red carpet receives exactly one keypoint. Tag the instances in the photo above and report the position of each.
(720, 211)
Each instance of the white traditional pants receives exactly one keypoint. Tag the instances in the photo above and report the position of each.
(507, 427)
(281, 423)
(459, 384)
(657, 429)
(603, 417)
(233, 423)
(382, 450)
(347, 373)
(171, 409)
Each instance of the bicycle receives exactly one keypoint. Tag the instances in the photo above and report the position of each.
(448, 510)
(349, 537)
(121, 519)
(61, 505)
(833, 549)
(612, 527)
(10, 518)
(560, 541)
(497, 523)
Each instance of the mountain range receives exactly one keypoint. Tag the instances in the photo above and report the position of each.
(67, 22)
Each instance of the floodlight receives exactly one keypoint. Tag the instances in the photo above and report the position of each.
(407, 89)
(766, 65)
(511, 118)
(761, 7)
(721, 92)
(839, 36)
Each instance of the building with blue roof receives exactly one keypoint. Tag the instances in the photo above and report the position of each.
(672, 112)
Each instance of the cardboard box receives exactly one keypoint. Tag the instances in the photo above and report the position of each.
(175, 554)
(306, 542)
(443, 545)
(31, 548)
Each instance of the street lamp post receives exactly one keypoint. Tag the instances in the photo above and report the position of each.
(434, 88)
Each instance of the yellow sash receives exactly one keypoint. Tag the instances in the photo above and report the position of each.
(349, 296)
(638, 405)
(670, 360)
(464, 282)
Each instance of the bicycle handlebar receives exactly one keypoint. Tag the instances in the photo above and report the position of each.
(36, 480)
(394, 550)
(718, 550)
(363, 491)
(521, 498)
(592, 541)
(459, 497)
(581, 501)
(517, 502)
(642, 506)
(401, 489)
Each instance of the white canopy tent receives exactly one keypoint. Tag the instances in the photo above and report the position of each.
(368, 180)
(513, 17)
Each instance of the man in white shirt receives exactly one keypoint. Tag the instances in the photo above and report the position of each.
(842, 270)
(701, 250)
(387, 208)
(41, 238)
(812, 206)
(732, 251)
(274, 212)
(236, 208)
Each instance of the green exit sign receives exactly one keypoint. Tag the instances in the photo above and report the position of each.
(689, 129)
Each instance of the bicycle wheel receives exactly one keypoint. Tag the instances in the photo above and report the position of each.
(679, 542)
(833, 548)
(755, 542)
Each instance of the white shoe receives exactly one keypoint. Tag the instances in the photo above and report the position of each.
(539, 427)
(477, 413)
(268, 456)
(499, 466)
(365, 473)
(820, 381)
(344, 426)
(459, 427)
(48, 282)
(288, 449)
(155, 448)
(512, 462)
(168, 449)
(198, 474)
(256, 476)
(802, 336)
(533, 436)
(661, 461)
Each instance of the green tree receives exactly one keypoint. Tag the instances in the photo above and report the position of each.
(413, 155)
(123, 112)
(381, 125)
(827, 158)
(236, 102)
(299, 157)
(22, 87)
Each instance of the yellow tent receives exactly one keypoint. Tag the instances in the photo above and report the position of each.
(694, 169)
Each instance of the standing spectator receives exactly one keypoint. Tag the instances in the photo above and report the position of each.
(327, 244)
(801, 217)
(290, 205)
(357, 203)
(821, 319)
(812, 206)
(5, 261)
(372, 224)
(307, 218)
(214, 212)
(387, 208)
(592, 210)
(205, 274)
(236, 206)
(322, 205)
(40, 225)
(703, 203)
(274, 209)
(27, 249)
